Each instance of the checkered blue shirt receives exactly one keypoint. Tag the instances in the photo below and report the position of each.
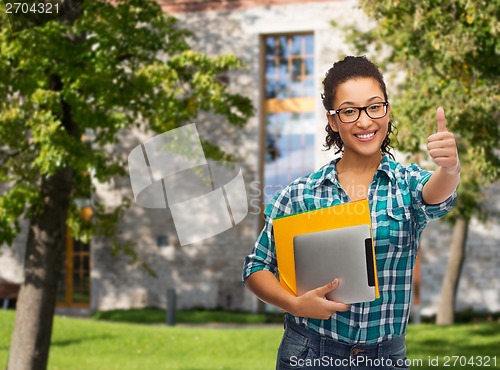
(398, 216)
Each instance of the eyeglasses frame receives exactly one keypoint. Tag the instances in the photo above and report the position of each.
(332, 112)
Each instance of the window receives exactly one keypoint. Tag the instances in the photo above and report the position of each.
(74, 283)
(288, 110)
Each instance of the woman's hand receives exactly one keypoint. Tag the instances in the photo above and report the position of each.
(442, 146)
(314, 304)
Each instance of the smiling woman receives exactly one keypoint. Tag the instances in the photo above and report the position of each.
(359, 126)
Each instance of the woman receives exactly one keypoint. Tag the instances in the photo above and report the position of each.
(324, 334)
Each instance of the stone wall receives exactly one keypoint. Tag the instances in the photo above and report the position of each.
(208, 273)
(205, 274)
(181, 6)
(12, 257)
(479, 285)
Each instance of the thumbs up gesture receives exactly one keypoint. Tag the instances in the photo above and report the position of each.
(442, 146)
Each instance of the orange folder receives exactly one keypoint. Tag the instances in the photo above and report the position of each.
(333, 217)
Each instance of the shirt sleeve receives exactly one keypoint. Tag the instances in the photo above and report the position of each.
(263, 255)
(417, 178)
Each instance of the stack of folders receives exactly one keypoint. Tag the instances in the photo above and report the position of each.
(318, 246)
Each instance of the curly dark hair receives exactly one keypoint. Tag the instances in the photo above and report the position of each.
(349, 68)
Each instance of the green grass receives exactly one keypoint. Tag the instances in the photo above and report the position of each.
(469, 340)
(86, 344)
(83, 344)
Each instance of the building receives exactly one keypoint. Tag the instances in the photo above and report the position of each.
(286, 46)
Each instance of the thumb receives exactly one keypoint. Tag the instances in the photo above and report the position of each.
(441, 120)
(325, 289)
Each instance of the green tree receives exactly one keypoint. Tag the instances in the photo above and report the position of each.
(448, 51)
(109, 66)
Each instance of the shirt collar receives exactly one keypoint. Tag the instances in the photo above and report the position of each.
(387, 164)
(329, 171)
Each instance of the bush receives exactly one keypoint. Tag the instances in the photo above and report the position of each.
(154, 315)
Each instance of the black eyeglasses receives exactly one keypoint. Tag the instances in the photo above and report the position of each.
(351, 114)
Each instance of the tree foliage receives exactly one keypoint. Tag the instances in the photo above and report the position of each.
(119, 64)
(103, 68)
(448, 52)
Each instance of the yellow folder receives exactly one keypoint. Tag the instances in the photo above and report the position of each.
(333, 217)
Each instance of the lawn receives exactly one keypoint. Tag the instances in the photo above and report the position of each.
(83, 344)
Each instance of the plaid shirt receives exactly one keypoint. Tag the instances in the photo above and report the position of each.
(398, 216)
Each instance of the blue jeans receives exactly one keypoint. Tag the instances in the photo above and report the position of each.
(301, 349)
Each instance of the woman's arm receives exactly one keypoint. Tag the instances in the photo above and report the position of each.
(440, 186)
(312, 304)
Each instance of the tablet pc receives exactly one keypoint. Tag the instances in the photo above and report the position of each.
(344, 253)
